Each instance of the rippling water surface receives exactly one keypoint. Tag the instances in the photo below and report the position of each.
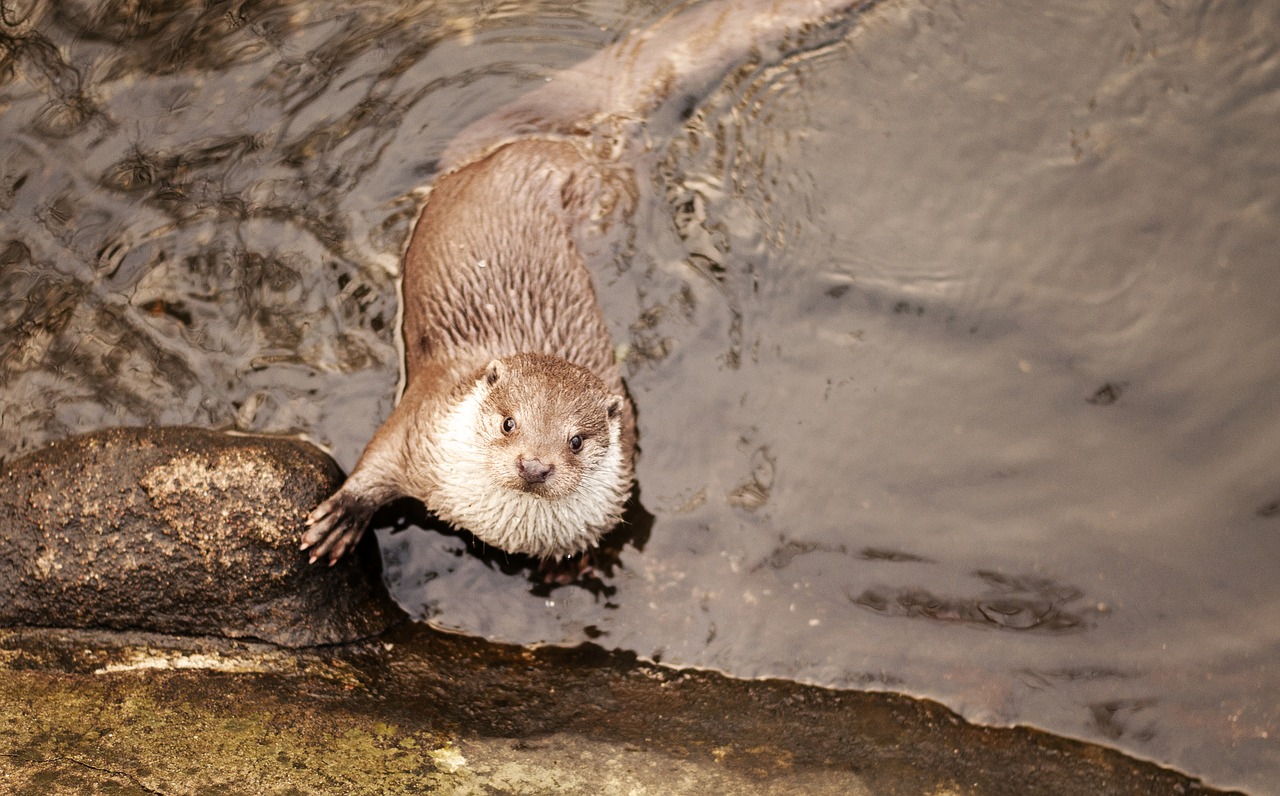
(956, 347)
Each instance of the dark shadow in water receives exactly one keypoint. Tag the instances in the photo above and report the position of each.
(1011, 602)
(1107, 394)
(1055, 678)
(1115, 718)
(892, 556)
(591, 570)
(791, 549)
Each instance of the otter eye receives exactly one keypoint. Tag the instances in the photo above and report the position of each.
(508, 425)
(575, 443)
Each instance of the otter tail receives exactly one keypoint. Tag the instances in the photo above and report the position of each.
(646, 82)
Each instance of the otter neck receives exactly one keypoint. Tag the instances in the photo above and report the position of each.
(417, 422)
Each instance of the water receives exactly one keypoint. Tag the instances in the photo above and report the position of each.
(955, 347)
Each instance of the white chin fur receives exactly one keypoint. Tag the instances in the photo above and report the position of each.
(468, 495)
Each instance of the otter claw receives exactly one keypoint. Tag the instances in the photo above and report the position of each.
(335, 526)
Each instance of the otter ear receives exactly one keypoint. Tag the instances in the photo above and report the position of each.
(493, 371)
(614, 407)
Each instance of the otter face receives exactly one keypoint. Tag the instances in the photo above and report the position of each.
(549, 425)
(533, 462)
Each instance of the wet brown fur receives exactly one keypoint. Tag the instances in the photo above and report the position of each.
(492, 270)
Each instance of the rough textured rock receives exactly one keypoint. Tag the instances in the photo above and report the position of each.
(418, 711)
(177, 530)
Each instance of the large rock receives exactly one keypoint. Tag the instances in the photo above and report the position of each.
(424, 712)
(177, 530)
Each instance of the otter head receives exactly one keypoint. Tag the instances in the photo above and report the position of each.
(532, 458)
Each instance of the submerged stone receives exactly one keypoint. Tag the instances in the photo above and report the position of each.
(177, 530)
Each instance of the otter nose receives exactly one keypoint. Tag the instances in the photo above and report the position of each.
(534, 471)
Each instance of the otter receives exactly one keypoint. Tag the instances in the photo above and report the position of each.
(513, 423)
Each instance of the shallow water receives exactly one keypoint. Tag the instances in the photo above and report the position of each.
(955, 347)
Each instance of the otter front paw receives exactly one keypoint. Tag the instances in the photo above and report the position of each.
(336, 525)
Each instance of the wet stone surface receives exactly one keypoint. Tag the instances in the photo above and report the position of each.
(419, 711)
(177, 530)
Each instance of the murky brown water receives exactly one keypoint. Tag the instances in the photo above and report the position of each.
(956, 348)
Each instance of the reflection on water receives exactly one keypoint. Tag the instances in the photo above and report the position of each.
(955, 347)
